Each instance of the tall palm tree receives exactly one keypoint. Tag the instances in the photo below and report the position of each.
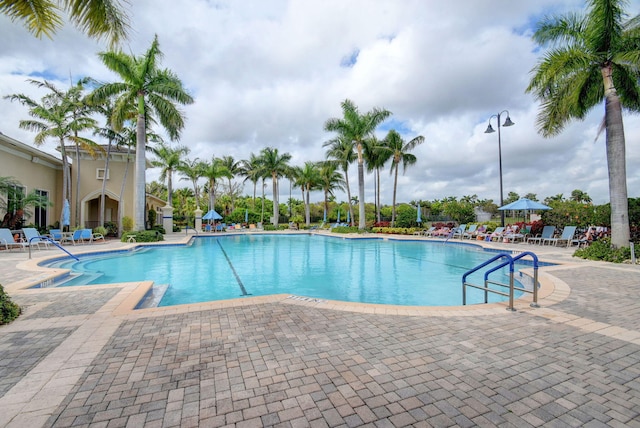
(355, 126)
(169, 159)
(342, 151)
(399, 150)
(53, 118)
(593, 56)
(275, 165)
(234, 167)
(252, 170)
(329, 180)
(193, 170)
(148, 88)
(308, 178)
(375, 159)
(212, 171)
(97, 18)
(79, 107)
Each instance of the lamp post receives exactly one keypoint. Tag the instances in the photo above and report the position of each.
(507, 122)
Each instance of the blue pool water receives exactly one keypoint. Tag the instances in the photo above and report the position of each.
(354, 270)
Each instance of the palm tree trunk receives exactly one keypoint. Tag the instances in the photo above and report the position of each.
(346, 179)
(616, 163)
(77, 168)
(169, 188)
(361, 221)
(104, 186)
(395, 187)
(139, 190)
(378, 194)
(65, 177)
(276, 207)
(120, 200)
(307, 211)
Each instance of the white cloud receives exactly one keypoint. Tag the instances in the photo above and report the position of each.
(270, 73)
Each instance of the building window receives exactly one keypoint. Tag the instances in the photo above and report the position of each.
(100, 174)
(40, 214)
(15, 196)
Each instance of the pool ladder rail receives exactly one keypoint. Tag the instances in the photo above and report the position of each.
(51, 241)
(510, 261)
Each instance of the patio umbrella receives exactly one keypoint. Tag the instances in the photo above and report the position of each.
(324, 219)
(212, 215)
(338, 221)
(524, 204)
(66, 214)
(419, 219)
(349, 217)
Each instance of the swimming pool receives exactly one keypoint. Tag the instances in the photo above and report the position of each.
(374, 270)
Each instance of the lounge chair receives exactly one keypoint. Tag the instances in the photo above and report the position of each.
(458, 232)
(55, 234)
(429, 231)
(74, 237)
(496, 234)
(520, 235)
(470, 231)
(567, 235)
(33, 237)
(547, 232)
(7, 240)
(441, 232)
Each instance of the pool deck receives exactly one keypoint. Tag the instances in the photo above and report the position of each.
(81, 356)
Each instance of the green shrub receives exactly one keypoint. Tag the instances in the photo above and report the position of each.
(143, 236)
(127, 223)
(345, 229)
(152, 216)
(8, 310)
(602, 250)
(394, 230)
(101, 230)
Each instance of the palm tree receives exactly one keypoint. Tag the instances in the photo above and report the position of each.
(80, 108)
(192, 170)
(399, 150)
(234, 167)
(329, 180)
(308, 178)
(276, 166)
(212, 171)
(148, 88)
(375, 159)
(342, 151)
(356, 127)
(52, 117)
(97, 18)
(253, 171)
(169, 160)
(594, 56)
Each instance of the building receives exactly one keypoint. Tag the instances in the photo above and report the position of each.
(42, 172)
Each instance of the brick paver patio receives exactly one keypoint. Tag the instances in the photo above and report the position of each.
(76, 358)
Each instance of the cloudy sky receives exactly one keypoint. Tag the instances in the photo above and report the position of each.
(271, 72)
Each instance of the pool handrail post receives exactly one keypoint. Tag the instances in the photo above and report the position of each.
(533, 304)
(480, 266)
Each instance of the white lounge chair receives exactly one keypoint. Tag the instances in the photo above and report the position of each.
(33, 237)
(547, 232)
(7, 240)
(567, 236)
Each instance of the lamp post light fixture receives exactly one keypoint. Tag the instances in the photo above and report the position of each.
(507, 122)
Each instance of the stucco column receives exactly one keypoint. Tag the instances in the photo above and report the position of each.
(167, 218)
(198, 224)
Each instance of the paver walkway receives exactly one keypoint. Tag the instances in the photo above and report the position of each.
(75, 358)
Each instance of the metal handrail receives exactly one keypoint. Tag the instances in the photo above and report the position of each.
(511, 286)
(46, 238)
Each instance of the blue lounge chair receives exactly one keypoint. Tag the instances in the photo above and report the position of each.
(33, 237)
(547, 232)
(567, 236)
